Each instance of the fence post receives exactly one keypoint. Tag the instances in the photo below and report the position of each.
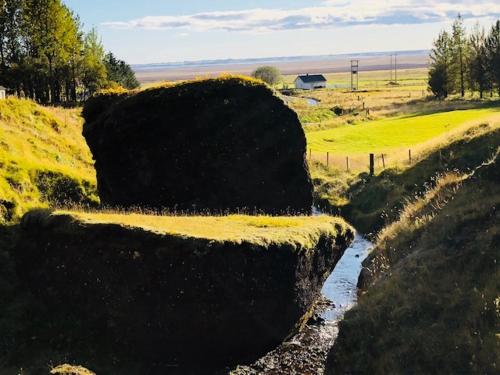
(327, 158)
(383, 161)
(347, 162)
(372, 164)
(409, 155)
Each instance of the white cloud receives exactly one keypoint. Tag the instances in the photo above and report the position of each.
(333, 13)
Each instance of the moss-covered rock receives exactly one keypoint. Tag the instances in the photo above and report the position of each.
(149, 291)
(219, 145)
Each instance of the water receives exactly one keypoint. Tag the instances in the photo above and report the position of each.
(307, 351)
(312, 102)
(340, 287)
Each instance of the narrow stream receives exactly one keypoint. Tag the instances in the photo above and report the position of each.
(306, 352)
(340, 287)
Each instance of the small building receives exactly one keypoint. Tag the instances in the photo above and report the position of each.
(310, 81)
(3, 92)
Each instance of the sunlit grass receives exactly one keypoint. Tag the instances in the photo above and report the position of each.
(34, 139)
(393, 133)
(295, 230)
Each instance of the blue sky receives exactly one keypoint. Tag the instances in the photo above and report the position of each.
(152, 31)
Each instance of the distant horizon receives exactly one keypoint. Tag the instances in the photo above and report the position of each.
(282, 58)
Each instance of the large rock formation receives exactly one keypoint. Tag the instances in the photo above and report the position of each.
(117, 294)
(217, 145)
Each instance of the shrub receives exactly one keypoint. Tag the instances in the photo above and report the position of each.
(338, 110)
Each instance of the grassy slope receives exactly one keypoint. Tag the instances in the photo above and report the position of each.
(434, 307)
(393, 133)
(372, 202)
(262, 230)
(43, 158)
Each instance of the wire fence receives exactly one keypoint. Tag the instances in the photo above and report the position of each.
(369, 162)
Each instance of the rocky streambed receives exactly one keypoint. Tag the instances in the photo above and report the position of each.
(306, 352)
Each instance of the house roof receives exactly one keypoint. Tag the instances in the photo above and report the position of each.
(310, 78)
(3, 88)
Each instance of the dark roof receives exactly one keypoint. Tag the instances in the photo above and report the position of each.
(309, 78)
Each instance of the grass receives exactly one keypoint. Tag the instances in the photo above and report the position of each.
(432, 305)
(43, 157)
(70, 370)
(371, 202)
(262, 230)
(386, 135)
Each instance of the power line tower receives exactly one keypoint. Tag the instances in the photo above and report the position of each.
(354, 75)
(391, 68)
(394, 68)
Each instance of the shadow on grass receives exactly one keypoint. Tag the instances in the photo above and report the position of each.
(442, 106)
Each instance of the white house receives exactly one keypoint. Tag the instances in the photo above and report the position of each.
(3, 92)
(310, 81)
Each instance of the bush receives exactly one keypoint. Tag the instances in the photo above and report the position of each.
(268, 74)
(59, 189)
(338, 110)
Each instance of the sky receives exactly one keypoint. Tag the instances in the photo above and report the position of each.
(156, 31)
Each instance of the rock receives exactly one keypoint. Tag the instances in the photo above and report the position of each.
(218, 145)
(365, 278)
(156, 300)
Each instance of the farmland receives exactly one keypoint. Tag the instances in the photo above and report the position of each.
(389, 134)
(382, 118)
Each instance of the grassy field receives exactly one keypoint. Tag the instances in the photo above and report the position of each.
(383, 136)
(263, 230)
(43, 157)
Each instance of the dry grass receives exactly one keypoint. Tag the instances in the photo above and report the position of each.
(432, 302)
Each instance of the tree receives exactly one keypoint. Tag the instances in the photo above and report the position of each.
(439, 78)
(460, 51)
(493, 54)
(45, 56)
(120, 72)
(268, 74)
(478, 65)
(94, 70)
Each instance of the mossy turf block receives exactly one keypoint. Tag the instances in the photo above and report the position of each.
(158, 298)
(222, 145)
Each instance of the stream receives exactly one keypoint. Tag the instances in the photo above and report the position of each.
(306, 352)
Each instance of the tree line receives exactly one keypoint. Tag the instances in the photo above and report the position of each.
(46, 56)
(462, 61)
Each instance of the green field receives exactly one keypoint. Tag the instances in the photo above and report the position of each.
(394, 133)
